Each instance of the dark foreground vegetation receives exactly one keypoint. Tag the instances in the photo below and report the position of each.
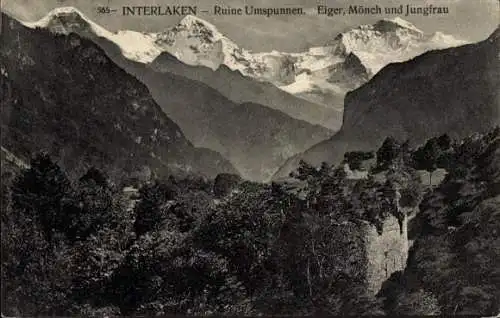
(94, 247)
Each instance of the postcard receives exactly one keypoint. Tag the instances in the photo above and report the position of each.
(250, 157)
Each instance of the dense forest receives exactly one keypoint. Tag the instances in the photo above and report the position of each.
(94, 246)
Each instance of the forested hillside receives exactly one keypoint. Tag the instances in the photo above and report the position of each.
(64, 95)
(456, 254)
(227, 246)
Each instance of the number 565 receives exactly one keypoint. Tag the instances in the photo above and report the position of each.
(103, 10)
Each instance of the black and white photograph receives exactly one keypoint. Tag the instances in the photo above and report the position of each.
(250, 158)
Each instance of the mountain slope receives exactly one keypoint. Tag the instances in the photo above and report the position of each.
(256, 139)
(241, 89)
(453, 91)
(136, 46)
(321, 75)
(153, 48)
(63, 95)
(326, 74)
(197, 42)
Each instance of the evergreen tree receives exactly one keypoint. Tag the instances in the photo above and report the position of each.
(427, 157)
(95, 176)
(224, 183)
(35, 258)
(355, 158)
(444, 142)
(92, 207)
(151, 211)
(40, 192)
(388, 153)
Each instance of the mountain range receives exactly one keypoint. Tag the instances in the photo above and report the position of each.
(64, 96)
(320, 77)
(255, 110)
(453, 91)
(256, 139)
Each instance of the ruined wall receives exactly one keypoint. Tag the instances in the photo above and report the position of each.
(386, 253)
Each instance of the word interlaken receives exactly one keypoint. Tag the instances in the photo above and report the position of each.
(159, 10)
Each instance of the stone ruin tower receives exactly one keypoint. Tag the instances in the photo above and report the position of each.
(385, 253)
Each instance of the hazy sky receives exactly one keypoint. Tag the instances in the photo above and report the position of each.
(472, 20)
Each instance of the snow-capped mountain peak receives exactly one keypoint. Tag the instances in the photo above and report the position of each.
(331, 70)
(134, 45)
(192, 26)
(388, 41)
(397, 21)
(198, 42)
(191, 22)
(66, 20)
(55, 14)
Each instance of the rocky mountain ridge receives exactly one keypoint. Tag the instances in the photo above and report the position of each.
(453, 91)
(63, 95)
(321, 75)
(256, 139)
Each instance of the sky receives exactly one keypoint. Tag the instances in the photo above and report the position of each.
(471, 20)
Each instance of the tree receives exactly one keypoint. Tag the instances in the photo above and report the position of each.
(189, 210)
(356, 158)
(388, 152)
(427, 157)
(101, 231)
(36, 276)
(151, 211)
(41, 192)
(310, 173)
(244, 228)
(92, 205)
(96, 176)
(357, 302)
(34, 252)
(224, 183)
(444, 142)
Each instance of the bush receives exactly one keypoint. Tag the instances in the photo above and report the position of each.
(419, 303)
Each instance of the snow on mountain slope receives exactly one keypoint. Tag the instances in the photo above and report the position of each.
(369, 48)
(197, 42)
(403, 23)
(321, 75)
(193, 41)
(389, 41)
(136, 46)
